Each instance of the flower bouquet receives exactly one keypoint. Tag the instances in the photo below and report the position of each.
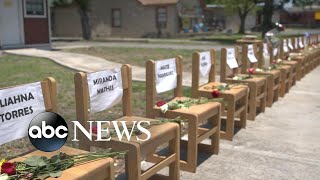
(41, 167)
(184, 103)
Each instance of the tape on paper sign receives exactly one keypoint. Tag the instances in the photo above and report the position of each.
(205, 63)
(166, 75)
(105, 89)
(251, 56)
(231, 58)
(18, 106)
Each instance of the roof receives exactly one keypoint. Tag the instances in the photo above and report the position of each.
(157, 2)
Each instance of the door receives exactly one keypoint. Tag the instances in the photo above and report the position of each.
(10, 22)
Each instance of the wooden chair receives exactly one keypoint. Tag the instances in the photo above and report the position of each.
(236, 98)
(257, 85)
(196, 115)
(137, 150)
(286, 74)
(273, 75)
(296, 65)
(101, 169)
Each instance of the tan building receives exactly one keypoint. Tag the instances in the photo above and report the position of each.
(124, 18)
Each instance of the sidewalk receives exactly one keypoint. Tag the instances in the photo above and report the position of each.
(87, 63)
(283, 142)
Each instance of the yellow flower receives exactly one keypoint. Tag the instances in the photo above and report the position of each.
(2, 161)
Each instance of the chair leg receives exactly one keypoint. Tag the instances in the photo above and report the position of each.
(174, 146)
(252, 102)
(215, 138)
(133, 163)
(243, 114)
(192, 148)
(263, 100)
(230, 119)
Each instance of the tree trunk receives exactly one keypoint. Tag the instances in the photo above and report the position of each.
(86, 29)
(242, 23)
(267, 17)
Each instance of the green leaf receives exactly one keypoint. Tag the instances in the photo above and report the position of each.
(35, 161)
(55, 174)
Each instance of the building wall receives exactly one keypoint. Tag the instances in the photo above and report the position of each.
(36, 30)
(136, 20)
(66, 22)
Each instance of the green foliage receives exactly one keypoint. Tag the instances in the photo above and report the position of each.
(84, 5)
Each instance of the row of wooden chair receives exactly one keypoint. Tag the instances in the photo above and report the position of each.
(241, 103)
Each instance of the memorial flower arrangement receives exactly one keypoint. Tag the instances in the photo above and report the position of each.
(250, 71)
(40, 167)
(135, 131)
(185, 103)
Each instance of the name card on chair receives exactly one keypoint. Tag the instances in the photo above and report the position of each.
(290, 44)
(231, 58)
(105, 89)
(166, 75)
(205, 63)
(275, 51)
(296, 43)
(265, 49)
(18, 106)
(301, 43)
(285, 46)
(251, 56)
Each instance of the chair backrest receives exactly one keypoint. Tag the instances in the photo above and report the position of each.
(20, 104)
(227, 69)
(151, 80)
(204, 64)
(82, 96)
(249, 57)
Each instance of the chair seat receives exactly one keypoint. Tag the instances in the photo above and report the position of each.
(290, 62)
(92, 170)
(160, 133)
(256, 79)
(274, 72)
(202, 111)
(236, 91)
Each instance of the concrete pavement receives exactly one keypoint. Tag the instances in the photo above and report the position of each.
(283, 142)
(180, 45)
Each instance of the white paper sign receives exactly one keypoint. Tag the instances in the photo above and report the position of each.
(300, 42)
(18, 106)
(251, 56)
(296, 43)
(265, 49)
(305, 41)
(205, 63)
(290, 44)
(275, 51)
(105, 89)
(231, 58)
(285, 46)
(166, 75)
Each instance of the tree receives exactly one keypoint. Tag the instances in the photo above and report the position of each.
(242, 7)
(84, 8)
(267, 13)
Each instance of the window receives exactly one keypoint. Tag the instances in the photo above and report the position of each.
(35, 8)
(161, 17)
(116, 17)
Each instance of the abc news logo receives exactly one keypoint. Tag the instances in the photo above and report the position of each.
(48, 131)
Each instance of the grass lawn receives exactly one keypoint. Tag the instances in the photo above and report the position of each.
(16, 70)
(139, 56)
